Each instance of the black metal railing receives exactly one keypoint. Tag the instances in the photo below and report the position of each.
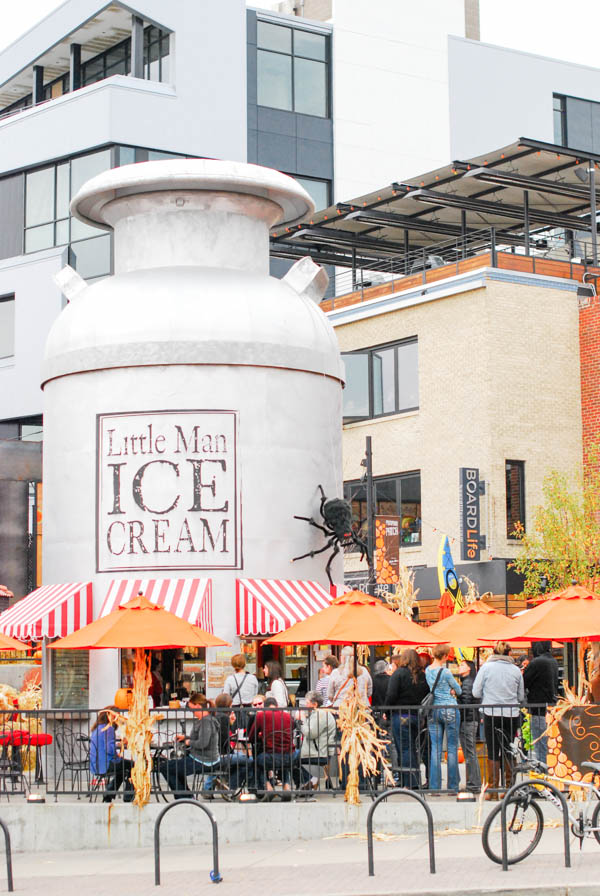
(251, 754)
(449, 254)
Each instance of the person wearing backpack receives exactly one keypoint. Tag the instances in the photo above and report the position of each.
(203, 755)
(242, 687)
(443, 719)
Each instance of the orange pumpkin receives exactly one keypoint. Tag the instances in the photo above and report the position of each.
(123, 698)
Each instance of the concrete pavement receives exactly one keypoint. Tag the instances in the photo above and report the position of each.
(326, 867)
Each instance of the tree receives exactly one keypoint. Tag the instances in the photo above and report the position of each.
(563, 543)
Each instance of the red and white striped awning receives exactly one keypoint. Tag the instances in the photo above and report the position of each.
(50, 611)
(269, 606)
(190, 599)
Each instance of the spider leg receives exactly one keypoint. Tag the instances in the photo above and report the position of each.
(323, 501)
(335, 552)
(312, 553)
(364, 551)
(311, 522)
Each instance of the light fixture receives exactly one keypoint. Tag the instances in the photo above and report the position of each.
(583, 174)
(465, 796)
(35, 798)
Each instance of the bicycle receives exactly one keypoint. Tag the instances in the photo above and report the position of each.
(524, 816)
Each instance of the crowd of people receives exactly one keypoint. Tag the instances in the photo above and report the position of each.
(245, 737)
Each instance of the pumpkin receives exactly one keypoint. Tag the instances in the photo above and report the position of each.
(123, 698)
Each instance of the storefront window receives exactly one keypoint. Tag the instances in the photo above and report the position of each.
(70, 679)
(394, 495)
(179, 672)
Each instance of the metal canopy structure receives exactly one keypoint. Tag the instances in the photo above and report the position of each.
(524, 189)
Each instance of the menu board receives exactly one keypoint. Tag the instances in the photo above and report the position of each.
(70, 678)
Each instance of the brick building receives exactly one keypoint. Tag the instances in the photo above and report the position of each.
(475, 352)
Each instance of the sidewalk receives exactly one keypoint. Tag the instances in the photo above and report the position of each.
(328, 867)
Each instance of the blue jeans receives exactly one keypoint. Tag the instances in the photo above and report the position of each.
(444, 719)
(405, 728)
(538, 726)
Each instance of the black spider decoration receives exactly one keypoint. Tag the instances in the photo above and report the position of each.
(337, 516)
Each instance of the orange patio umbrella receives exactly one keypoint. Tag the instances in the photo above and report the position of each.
(138, 624)
(445, 605)
(565, 615)
(7, 643)
(471, 626)
(141, 625)
(355, 618)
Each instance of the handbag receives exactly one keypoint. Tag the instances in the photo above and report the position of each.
(427, 701)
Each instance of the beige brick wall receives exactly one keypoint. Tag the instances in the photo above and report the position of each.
(498, 380)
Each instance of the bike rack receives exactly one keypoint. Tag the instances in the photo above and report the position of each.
(9, 875)
(535, 783)
(214, 874)
(420, 800)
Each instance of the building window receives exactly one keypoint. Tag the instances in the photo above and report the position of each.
(7, 326)
(156, 54)
(70, 678)
(292, 69)
(48, 192)
(381, 381)
(398, 495)
(24, 429)
(318, 190)
(560, 119)
(515, 496)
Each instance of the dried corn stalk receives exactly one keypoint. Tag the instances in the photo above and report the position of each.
(136, 728)
(469, 590)
(29, 699)
(362, 747)
(404, 598)
(363, 653)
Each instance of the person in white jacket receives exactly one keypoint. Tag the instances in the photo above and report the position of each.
(499, 686)
(319, 739)
(276, 686)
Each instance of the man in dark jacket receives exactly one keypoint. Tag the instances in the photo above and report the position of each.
(541, 684)
(380, 684)
(469, 724)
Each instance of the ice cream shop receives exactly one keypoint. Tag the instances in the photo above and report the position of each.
(192, 409)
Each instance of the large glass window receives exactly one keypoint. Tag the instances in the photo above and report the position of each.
(515, 496)
(292, 69)
(398, 495)
(381, 381)
(560, 125)
(7, 326)
(48, 192)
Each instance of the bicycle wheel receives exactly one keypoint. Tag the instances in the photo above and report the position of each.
(524, 828)
(596, 821)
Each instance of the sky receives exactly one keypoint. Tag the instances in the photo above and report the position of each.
(547, 27)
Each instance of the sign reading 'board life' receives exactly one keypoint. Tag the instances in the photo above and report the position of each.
(168, 491)
(470, 517)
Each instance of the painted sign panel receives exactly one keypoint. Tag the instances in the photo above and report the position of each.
(470, 516)
(387, 549)
(168, 491)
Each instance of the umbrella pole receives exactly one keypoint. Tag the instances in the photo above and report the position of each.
(355, 660)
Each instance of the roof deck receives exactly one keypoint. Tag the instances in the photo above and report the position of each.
(542, 266)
